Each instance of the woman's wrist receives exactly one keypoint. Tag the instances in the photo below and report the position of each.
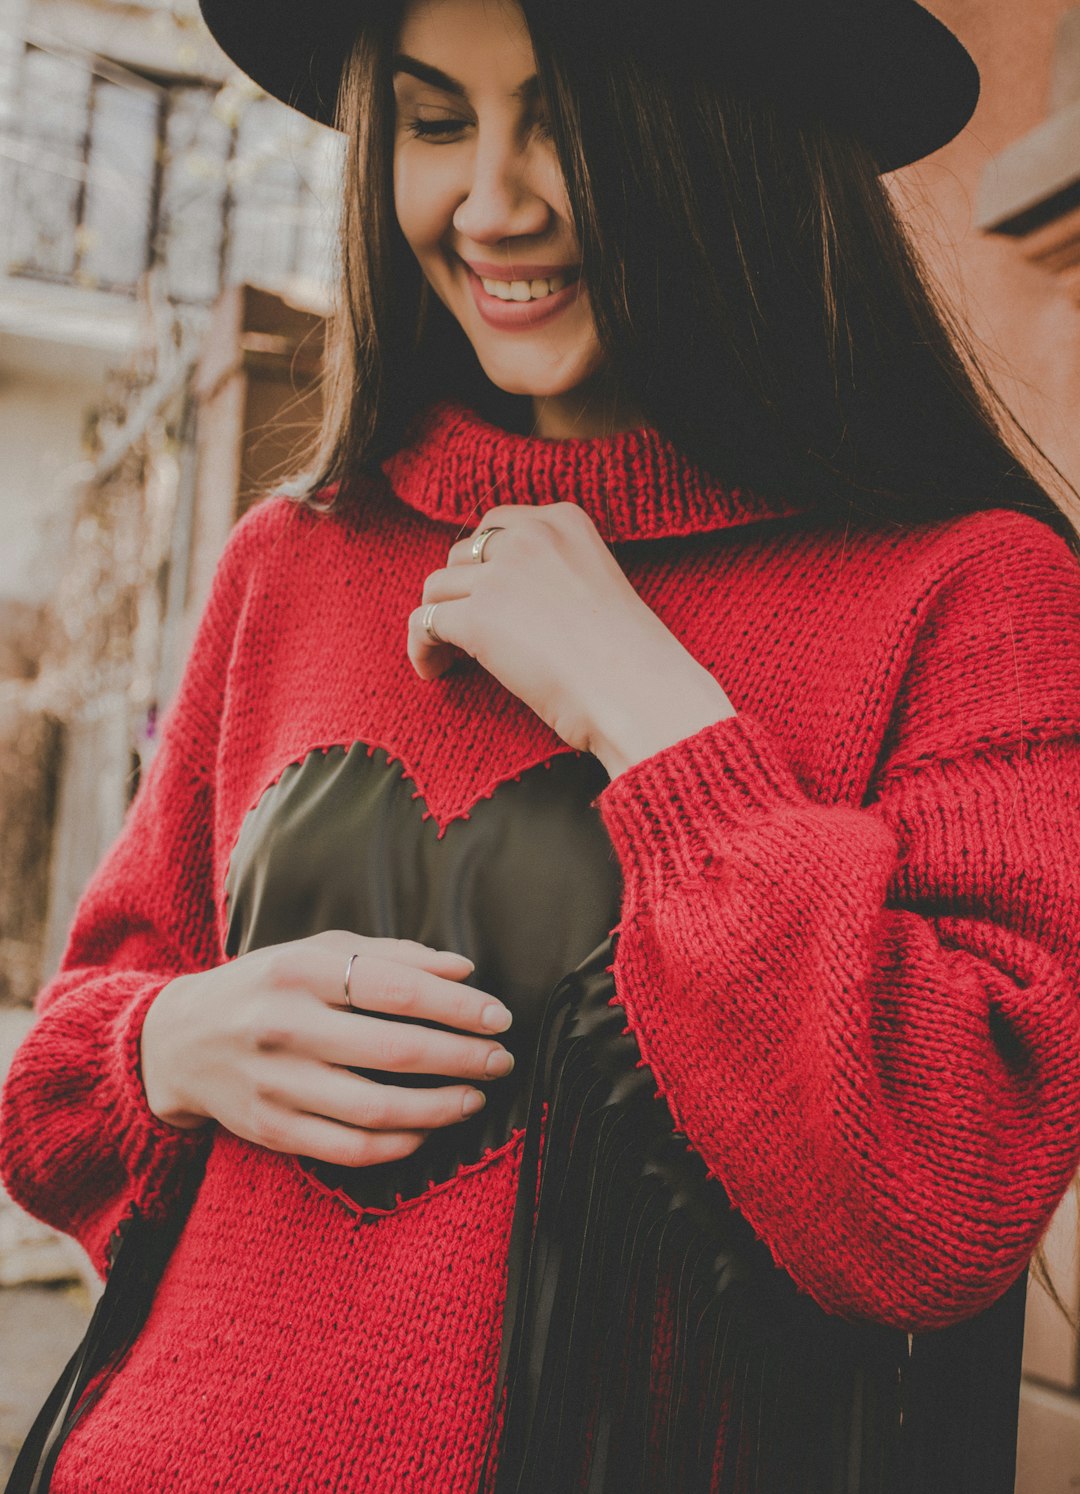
(164, 1098)
(628, 730)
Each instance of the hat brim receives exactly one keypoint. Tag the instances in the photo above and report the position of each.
(891, 71)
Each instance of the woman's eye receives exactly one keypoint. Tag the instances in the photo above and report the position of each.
(425, 128)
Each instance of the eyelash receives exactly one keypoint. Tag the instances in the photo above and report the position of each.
(440, 128)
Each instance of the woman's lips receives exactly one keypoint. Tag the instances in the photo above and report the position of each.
(520, 316)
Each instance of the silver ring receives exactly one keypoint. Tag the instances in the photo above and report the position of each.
(348, 972)
(481, 540)
(429, 613)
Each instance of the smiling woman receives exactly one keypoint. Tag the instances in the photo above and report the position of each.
(597, 950)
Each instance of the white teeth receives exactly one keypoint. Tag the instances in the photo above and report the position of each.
(524, 290)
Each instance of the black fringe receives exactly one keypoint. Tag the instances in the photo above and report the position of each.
(650, 1343)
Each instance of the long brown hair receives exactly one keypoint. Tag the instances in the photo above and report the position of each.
(756, 292)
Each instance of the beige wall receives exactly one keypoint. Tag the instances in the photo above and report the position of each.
(41, 423)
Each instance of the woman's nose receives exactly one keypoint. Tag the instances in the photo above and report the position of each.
(501, 199)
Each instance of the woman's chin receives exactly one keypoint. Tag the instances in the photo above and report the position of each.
(529, 383)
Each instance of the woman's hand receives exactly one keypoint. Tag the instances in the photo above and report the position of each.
(263, 1045)
(549, 612)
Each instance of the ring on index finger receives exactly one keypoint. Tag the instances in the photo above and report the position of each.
(348, 972)
(429, 623)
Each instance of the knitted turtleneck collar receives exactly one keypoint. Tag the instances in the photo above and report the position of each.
(633, 485)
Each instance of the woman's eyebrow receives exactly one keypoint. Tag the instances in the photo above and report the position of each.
(527, 92)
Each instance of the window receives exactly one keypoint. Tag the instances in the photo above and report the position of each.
(116, 171)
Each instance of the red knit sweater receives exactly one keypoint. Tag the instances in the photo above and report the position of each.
(849, 944)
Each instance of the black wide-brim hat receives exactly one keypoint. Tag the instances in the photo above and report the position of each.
(887, 69)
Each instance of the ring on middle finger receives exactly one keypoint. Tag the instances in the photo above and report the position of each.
(477, 550)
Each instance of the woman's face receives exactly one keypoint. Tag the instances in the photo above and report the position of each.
(480, 197)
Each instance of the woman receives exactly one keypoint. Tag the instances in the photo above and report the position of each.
(725, 660)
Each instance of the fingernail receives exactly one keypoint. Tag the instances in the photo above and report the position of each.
(500, 1062)
(453, 954)
(495, 1017)
(471, 1103)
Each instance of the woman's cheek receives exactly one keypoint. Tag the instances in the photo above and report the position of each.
(413, 196)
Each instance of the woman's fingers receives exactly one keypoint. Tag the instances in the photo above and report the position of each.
(355, 1040)
(350, 1099)
(380, 984)
(402, 991)
(326, 1140)
(396, 976)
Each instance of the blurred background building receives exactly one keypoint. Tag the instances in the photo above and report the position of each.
(139, 182)
(166, 246)
(166, 253)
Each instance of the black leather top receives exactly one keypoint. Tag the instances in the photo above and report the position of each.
(527, 886)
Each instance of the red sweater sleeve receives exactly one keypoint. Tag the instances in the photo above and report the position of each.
(865, 1016)
(78, 1143)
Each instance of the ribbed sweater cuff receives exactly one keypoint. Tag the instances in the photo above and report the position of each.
(667, 814)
